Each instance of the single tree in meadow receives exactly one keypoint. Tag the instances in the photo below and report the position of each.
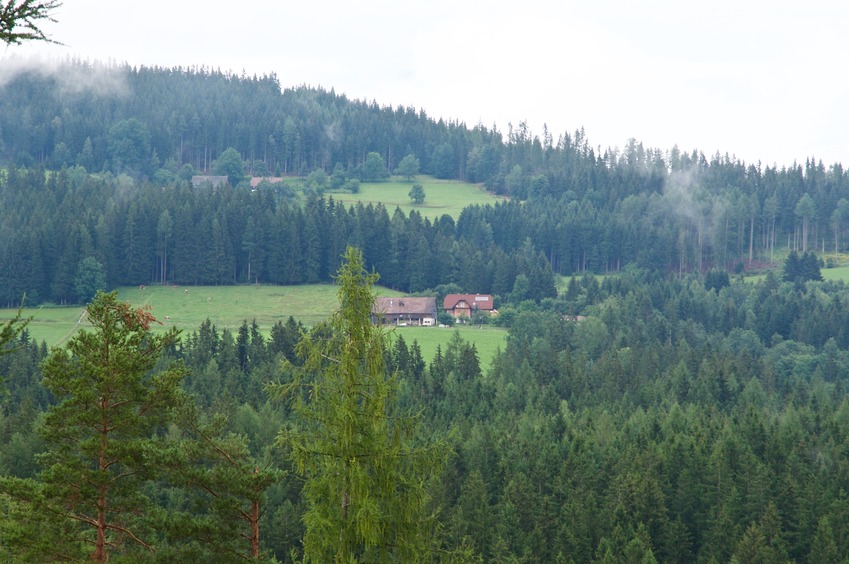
(374, 168)
(417, 193)
(89, 280)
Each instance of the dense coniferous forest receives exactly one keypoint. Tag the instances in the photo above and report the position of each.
(183, 235)
(670, 411)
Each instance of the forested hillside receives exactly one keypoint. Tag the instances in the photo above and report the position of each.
(587, 208)
(670, 411)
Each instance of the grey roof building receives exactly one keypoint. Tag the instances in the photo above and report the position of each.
(405, 311)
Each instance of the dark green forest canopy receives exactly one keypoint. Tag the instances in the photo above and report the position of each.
(672, 417)
(184, 235)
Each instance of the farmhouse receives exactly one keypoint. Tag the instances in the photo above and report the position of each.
(405, 311)
(466, 305)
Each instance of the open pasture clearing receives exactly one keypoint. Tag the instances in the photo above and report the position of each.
(227, 306)
(441, 196)
(187, 307)
(837, 273)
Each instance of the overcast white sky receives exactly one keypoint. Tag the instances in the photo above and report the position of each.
(765, 81)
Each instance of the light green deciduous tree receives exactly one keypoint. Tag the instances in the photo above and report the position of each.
(89, 279)
(230, 164)
(364, 475)
(374, 167)
(417, 193)
(408, 167)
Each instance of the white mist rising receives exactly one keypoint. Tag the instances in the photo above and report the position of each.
(71, 77)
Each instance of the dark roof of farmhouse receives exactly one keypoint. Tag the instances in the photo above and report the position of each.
(404, 305)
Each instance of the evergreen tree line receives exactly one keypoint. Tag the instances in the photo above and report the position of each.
(56, 229)
(588, 208)
(643, 418)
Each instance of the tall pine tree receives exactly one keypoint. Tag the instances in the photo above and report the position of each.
(101, 439)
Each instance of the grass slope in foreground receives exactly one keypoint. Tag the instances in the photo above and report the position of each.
(441, 196)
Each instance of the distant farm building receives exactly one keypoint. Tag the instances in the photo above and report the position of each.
(466, 305)
(257, 180)
(405, 311)
(215, 181)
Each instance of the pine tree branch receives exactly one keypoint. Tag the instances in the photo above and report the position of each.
(130, 534)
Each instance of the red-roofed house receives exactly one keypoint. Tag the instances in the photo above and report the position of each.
(466, 305)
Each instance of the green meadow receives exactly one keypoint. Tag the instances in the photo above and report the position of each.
(441, 196)
(487, 339)
(836, 273)
(186, 307)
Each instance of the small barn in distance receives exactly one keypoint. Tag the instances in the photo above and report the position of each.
(466, 305)
(405, 311)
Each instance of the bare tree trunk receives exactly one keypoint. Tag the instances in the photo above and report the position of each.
(699, 259)
(255, 529)
(751, 237)
(772, 240)
(805, 235)
(102, 464)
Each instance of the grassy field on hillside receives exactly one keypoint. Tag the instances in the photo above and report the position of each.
(187, 307)
(837, 273)
(487, 340)
(441, 196)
